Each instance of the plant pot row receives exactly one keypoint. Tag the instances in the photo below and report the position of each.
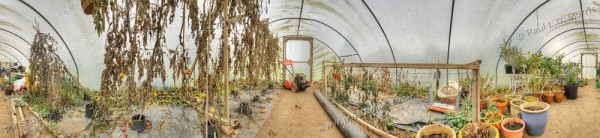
(535, 118)
(511, 128)
(438, 130)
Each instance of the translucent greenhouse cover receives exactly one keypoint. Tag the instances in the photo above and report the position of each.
(370, 31)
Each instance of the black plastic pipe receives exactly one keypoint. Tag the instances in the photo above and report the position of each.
(341, 121)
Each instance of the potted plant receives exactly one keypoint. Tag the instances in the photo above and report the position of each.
(486, 90)
(549, 97)
(511, 97)
(8, 89)
(520, 67)
(531, 99)
(539, 74)
(513, 128)
(509, 54)
(535, 115)
(494, 119)
(500, 103)
(559, 95)
(571, 86)
(139, 122)
(461, 118)
(89, 110)
(436, 131)
(515, 109)
(478, 130)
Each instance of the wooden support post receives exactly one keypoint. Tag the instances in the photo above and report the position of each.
(226, 55)
(437, 79)
(475, 93)
(15, 120)
(324, 77)
(23, 123)
(310, 61)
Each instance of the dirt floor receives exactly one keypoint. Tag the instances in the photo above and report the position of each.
(34, 128)
(575, 118)
(298, 115)
(5, 116)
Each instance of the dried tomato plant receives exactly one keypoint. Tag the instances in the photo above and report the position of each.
(257, 50)
(136, 43)
(48, 73)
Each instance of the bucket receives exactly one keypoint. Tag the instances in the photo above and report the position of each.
(89, 111)
(139, 123)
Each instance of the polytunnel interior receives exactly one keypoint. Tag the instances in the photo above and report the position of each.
(387, 66)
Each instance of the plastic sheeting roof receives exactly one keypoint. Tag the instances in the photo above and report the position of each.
(383, 31)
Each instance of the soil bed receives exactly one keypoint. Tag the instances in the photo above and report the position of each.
(534, 108)
(513, 126)
(499, 101)
(439, 135)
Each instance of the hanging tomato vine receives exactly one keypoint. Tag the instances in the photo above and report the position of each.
(136, 41)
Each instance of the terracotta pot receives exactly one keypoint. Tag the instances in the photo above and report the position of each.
(507, 133)
(500, 103)
(436, 129)
(549, 97)
(497, 123)
(559, 96)
(482, 104)
(494, 134)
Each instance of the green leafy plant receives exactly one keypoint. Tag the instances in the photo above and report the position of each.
(533, 61)
(571, 73)
(552, 65)
(510, 53)
(489, 113)
(460, 118)
(491, 117)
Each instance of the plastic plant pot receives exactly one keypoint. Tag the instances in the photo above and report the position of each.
(139, 122)
(89, 111)
(495, 132)
(497, 123)
(535, 120)
(436, 129)
(571, 91)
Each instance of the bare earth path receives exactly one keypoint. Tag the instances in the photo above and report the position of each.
(35, 130)
(5, 116)
(298, 115)
(575, 118)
